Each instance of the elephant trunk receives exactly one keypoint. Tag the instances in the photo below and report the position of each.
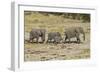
(43, 37)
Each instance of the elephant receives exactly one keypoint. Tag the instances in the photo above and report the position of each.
(54, 37)
(36, 34)
(74, 32)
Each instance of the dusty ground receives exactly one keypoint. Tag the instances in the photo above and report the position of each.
(63, 51)
(57, 52)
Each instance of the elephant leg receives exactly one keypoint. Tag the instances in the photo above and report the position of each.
(37, 39)
(78, 39)
(68, 39)
(53, 41)
(65, 39)
(31, 40)
(43, 39)
(47, 41)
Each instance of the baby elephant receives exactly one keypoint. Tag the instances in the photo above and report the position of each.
(54, 37)
(74, 32)
(36, 34)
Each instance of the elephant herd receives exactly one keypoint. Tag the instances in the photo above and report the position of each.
(56, 37)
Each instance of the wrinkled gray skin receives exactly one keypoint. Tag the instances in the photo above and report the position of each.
(54, 37)
(74, 32)
(36, 34)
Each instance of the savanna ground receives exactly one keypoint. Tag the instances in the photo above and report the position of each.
(50, 51)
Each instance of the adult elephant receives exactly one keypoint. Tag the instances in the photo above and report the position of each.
(54, 37)
(36, 34)
(74, 32)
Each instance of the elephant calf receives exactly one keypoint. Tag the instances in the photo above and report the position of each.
(74, 32)
(54, 37)
(36, 34)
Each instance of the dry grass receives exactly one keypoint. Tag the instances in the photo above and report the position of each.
(44, 52)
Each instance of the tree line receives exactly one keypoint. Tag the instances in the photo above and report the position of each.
(77, 16)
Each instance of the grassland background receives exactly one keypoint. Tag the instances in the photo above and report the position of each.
(52, 23)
